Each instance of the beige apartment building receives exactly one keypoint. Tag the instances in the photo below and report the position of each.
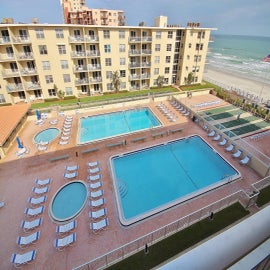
(38, 59)
(75, 12)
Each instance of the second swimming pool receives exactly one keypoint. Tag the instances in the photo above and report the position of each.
(156, 178)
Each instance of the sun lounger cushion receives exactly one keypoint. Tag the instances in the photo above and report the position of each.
(19, 259)
(66, 227)
(35, 211)
(43, 182)
(97, 214)
(66, 241)
(40, 190)
(95, 226)
(26, 240)
(94, 177)
(96, 194)
(29, 225)
(36, 201)
(97, 203)
(95, 170)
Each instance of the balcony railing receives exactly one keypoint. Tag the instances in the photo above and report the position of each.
(13, 87)
(134, 65)
(7, 57)
(146, 64)
(10, 73)
(4, 40)
(145, 76)
(81, 81)
(78, 54)
(134, 52)
(94, 67)
(134, 77)
(28, 71)
(146, 51)
(25, 56)
(32, 86)
(93, 53)
(21, 39)
(96, 80)
(91, 38)
(80, 68)
(87, 68)
(139, 39)
(76, 38)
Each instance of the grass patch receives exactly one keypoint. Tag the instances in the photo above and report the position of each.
(203, 85)
(182, 240)
(264, 196)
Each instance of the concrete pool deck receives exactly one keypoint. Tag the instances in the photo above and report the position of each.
(18, 177)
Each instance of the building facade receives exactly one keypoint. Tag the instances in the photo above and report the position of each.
(75, 12)
(36, 60)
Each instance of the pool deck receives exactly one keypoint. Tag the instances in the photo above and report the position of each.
(18, 178)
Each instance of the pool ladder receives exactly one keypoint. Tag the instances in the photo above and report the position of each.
(122, 188)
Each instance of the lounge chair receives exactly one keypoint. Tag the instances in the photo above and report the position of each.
(40, 191)
(43, 182)
(99, 225)
(34, 212)
(72, 168)
(63, 142)
(61, 243)
(97, 203)
(36, 201)
(70, 175)
(93, 164)
(30, 225)
(94, 177)
(217, 138)
(95, 185)
(98, 214)
(20, 259)
(23, 241)
(2, 204)
(42, 147)
(96, 194)
(230, 148)
(61, 229)
(223, 142)
(65, 138)
(95, 170)
(211, 134)
(245, 160)
(237, 154)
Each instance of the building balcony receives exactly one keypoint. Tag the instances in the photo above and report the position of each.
(93, 67)
(21, 39)
(146, 39)
(13, 87)
(32, 86)
(91, 39)
(28, 71)
(7, 57)
(96, 80)
(5, 40)
(146, 64)
(81, 81)
(134, 39)
(134, 77)
(134, 52)
(8, 73)
(25, 56)
(80, 69)
(80, 54)
(93, 53)
(76, 39)
(146, 51)
(134, 65)
(140, 39)
(145, 76)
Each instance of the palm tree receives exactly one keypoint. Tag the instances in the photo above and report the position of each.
(190, 78)
(160, 80)
(116, 81)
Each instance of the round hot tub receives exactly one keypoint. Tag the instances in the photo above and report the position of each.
(68, 201)
(46, 135)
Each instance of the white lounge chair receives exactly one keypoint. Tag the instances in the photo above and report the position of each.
(211, 134)
(95, 170)
(30, 225)
(223, 142)
(42, 147)
(61, 243)
(36, 201)
(63, 142)
(245, 160)
(230, 148)
(72, 168)
(217, 138)
(99, 225)
(61, 229)
(65, 138)
(93, 164)
(94, 177)
(20, 259)
(96, 194)
(70, 175)
(43, 182)
(2, 204)
(98, 214)
(95, 185)
(237, 154)
(31, 212)
(23, 241)
(40, 191)
(97, 203)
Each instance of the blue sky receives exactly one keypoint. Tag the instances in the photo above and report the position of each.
(236, 17)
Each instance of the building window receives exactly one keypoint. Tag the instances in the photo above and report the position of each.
(123, 85)
(46, 65)
(49, 79)
(2, 98)
(62, 49)
(122, 48)
(106, 33)
(156, 71)
(108, 74)
(42, 49)
(121, 33)
(64, 64)
(203, 34)
(157, 59)
(157, 47)
(69, 91)
(199, 34)
(107, 48)
(109, 86)
(122, 61)
(158, 35)
(168, 59)
(122, 73)
(186, 68)
(52, 92)
(108, 62)
(167, 70)
(39, 33)
(169, 47)
(166, 80)
(66, 78)
(59, 33)
(189, 45)
(201, 47)
(188, 57)
(170, 34)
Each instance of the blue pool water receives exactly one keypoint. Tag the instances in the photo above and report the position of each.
(113, 124)
(46, 135)
(68, 201)
(153, 179)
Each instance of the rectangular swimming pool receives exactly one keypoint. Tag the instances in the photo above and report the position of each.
(151, 180)
(104, 126)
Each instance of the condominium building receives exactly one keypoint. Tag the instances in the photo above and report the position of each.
(75, 12)
(38, 59)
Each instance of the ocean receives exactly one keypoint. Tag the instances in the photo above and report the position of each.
(240, 55)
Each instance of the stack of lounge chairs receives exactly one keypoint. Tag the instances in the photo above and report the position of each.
(71, 171)
(66, 130)
(167, 112)
(42, 146)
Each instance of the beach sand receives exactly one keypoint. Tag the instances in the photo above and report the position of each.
(228, 80)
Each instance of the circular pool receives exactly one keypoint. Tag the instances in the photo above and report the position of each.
(68, 201)
(46, 135)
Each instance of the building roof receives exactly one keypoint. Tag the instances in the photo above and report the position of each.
(10, 116)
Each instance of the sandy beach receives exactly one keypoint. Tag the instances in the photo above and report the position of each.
(229, 80)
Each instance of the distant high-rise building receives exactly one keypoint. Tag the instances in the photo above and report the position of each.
(75, 12)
